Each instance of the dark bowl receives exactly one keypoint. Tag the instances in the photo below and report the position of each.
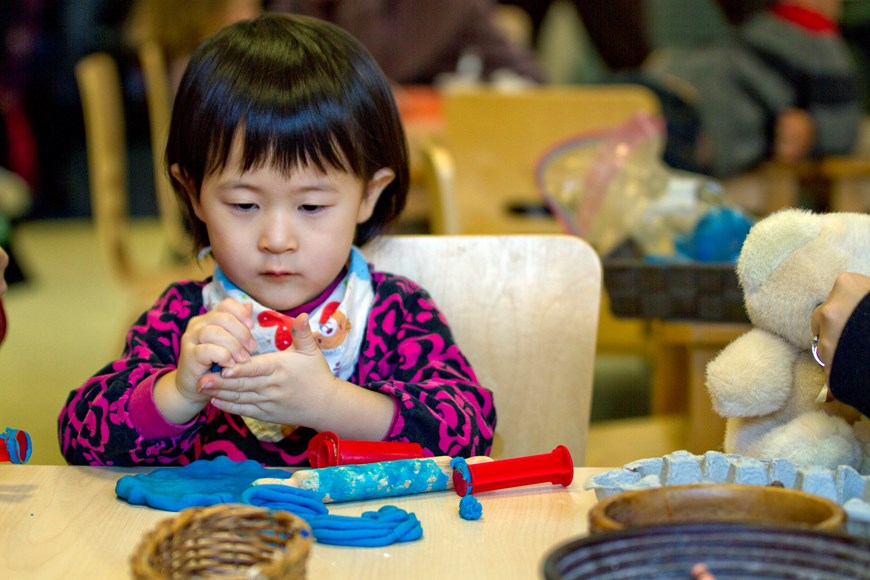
(729, 550)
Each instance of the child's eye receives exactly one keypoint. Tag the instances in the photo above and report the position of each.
(244, 207)
(310, 208)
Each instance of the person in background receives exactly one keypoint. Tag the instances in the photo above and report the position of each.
(842, 325)
(287, 153)
(782, 86)
(417, 41)
(4, 261)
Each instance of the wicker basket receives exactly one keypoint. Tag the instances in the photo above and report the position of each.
(226, 540)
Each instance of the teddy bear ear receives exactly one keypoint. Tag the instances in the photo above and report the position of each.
(772, 240)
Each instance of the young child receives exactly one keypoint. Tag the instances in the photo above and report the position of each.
(286, 152)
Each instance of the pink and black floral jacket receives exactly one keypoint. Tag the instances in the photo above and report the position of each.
(408, 353)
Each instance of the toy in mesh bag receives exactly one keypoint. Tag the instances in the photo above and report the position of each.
(612, 186)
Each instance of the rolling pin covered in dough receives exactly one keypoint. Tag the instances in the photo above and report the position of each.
(375, 480)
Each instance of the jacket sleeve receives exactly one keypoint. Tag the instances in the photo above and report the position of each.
(111, 419)
(850, 370)
(409, 354)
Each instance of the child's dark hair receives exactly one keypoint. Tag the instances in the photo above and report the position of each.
(302, 91)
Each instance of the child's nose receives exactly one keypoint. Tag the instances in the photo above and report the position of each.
(278, 237)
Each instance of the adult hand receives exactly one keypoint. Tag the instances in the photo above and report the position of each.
(830, 316)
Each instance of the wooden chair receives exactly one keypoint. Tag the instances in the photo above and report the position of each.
(496, 137)
(492, 141)
(159, 100)
(103, 108)
(840, 183)
(524, 310)
(438, 175)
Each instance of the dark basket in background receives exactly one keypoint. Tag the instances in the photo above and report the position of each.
(691, 291)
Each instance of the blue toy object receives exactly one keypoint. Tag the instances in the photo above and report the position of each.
(222, 480)
(15, 446)
(717, 237)
(201, 483)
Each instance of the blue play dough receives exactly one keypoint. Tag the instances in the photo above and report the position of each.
(717, 237)
(386, 526)
(201, 483)
(469, 507)
(301, 502)
(221, 480)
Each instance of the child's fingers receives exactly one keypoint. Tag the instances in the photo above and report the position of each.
(303, 339)
(217, 326)
(243, 312)
(221, 337)
(213, 357)
(263, 365)
(234, 408)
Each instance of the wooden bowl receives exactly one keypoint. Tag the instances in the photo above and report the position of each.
(716, 503)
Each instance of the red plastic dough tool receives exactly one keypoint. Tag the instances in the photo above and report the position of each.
(556, 467)
(327, 450)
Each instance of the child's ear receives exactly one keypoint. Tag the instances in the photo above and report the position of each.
(379, 181)
(187, 183)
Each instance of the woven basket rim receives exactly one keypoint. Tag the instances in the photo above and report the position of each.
(224, 539)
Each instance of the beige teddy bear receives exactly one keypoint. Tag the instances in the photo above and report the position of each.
(766, 382)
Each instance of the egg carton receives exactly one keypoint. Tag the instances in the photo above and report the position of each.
(844, 485)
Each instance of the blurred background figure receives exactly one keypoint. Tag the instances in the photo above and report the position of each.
(417, 41)
(18, 160)
(782, 85)
(4, 261)
(179, 30)
(740, 81)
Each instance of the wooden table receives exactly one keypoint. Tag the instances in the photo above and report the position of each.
(681, 351)
(66, 522)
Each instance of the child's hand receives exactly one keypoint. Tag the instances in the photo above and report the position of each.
(220, 337)
(292, 387)
(794, 134)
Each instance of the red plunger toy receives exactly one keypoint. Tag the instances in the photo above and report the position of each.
(327, 450)
(556, 467)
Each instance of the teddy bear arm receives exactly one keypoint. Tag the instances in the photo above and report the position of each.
(752, 376)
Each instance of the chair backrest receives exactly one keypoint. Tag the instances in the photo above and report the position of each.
(524, 310)
(103, 107)
(159, 100)
(497, 137)
(439, 176)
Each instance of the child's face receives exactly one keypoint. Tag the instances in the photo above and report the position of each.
(284, 240)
